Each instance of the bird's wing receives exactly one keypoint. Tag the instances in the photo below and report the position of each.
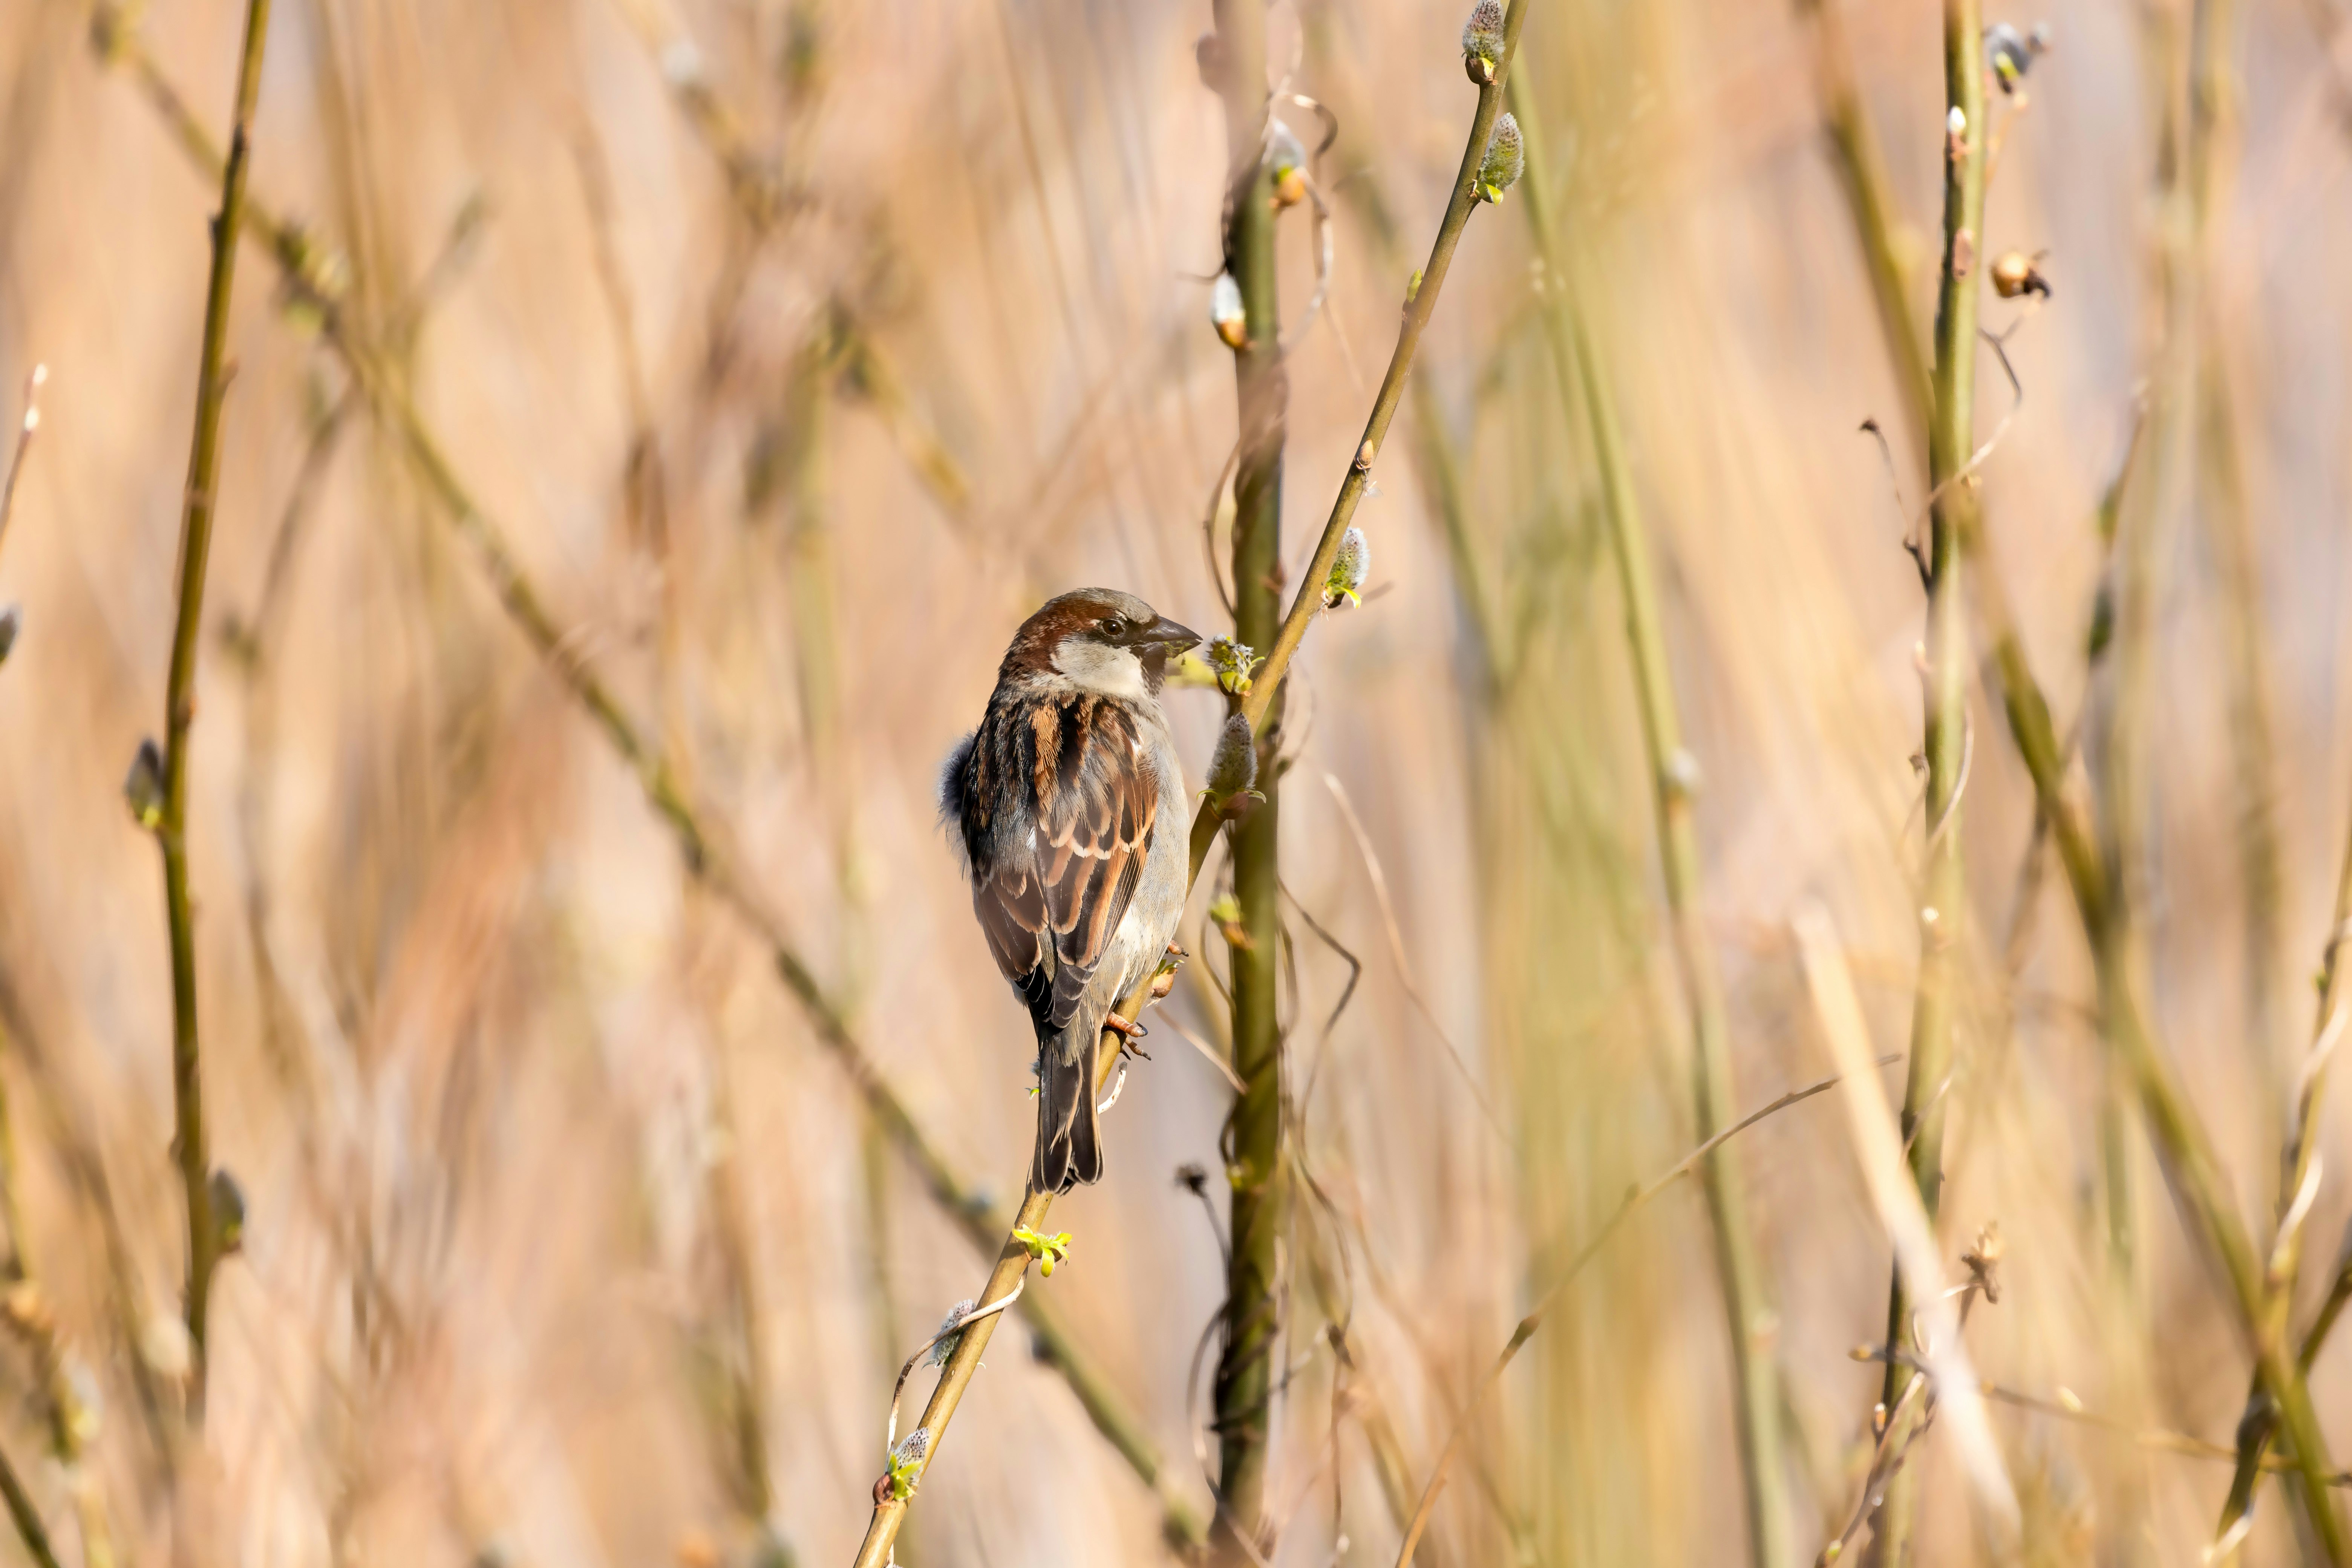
(1096, 796)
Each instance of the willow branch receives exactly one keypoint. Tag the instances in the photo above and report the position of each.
(1862, 172)
(1308, 602)
(1249, 1334)
(180, 702)
(1953, 516)
(1182, 1522)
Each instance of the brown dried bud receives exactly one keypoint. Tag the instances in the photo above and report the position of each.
(2013, 273)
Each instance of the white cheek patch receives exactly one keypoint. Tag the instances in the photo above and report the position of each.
(1096, 667)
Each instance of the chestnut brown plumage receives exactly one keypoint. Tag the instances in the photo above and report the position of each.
(1060, 802)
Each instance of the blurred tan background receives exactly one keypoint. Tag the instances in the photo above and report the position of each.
(570, 1242)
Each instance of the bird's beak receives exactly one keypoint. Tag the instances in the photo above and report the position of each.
(1168, 636)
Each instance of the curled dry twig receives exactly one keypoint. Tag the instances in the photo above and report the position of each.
(961, 1321)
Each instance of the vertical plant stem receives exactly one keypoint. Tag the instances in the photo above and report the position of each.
(1953, 517)
(1673, 781)
(179, 702)
(1861, 171)
(1243, 1390)
(2091, 853)
(1308, 602)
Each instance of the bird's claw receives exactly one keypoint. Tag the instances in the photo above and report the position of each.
(1128, 1032)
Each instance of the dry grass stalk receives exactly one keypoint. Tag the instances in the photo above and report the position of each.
(1935, 1321)
(1674, 783)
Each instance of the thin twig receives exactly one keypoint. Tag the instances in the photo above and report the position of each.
(180, 702)
(956, 1327)
(1308, 602)
(2155, 1438)
(1931, 1319)
(28, 1518)
(1952, 505)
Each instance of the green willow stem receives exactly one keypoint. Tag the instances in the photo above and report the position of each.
(1746, 1298)
(1242, 1391)
(179, 700)
(1953, 517)
(1308, 602)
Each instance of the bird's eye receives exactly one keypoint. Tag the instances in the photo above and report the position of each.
(1113, 626)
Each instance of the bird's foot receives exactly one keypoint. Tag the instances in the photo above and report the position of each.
(1128, 1032)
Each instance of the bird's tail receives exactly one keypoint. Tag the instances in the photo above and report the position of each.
(1069, 1134)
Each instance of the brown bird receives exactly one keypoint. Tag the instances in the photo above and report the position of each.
(1068, 807)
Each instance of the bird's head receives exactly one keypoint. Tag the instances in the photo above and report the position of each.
(1100, 640)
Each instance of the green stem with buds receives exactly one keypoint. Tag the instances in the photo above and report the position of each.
(1243, 1390)
(1419, 308)
(1952, 517)
(180, 700)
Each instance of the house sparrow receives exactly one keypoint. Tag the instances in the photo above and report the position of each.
(1068, 807)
